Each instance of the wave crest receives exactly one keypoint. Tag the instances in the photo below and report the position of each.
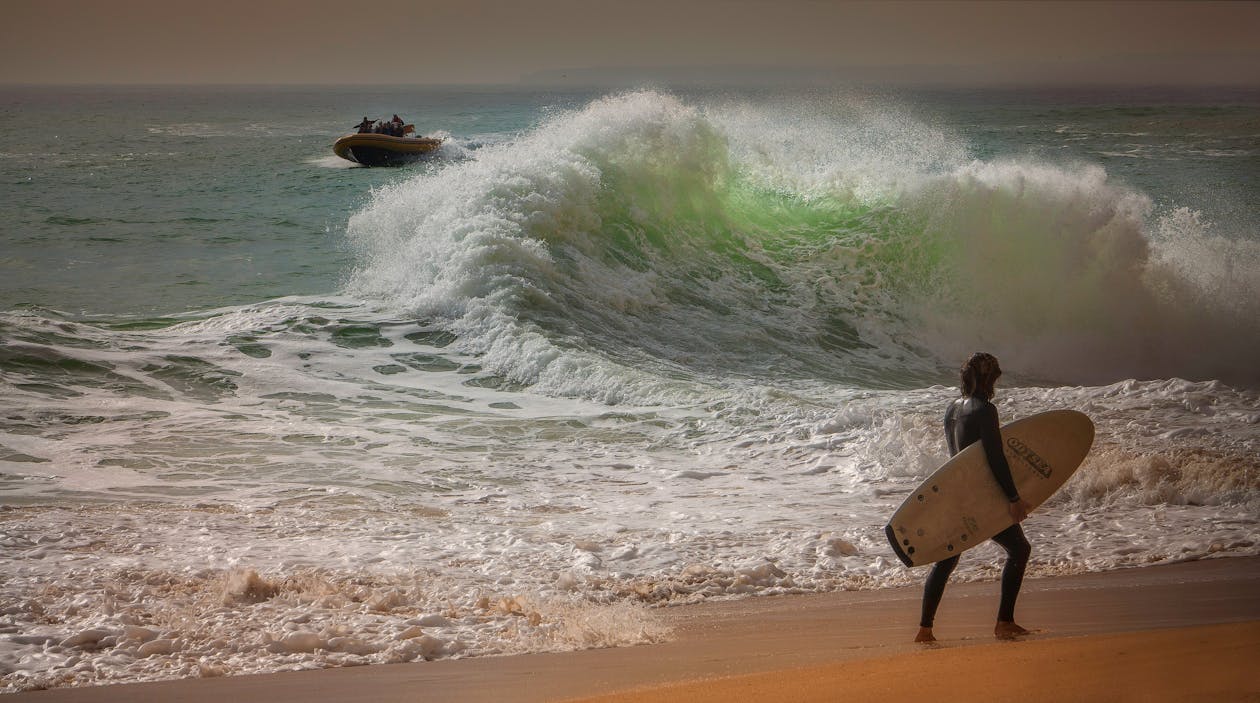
(641, 245)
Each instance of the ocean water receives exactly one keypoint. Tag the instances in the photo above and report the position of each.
(605, 352)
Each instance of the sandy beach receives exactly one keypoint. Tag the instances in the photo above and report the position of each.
(1210, 665)
(1187, 631)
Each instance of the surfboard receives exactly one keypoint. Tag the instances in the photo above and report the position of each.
(961, 505)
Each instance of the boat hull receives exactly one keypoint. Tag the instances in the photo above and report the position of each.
(383, 149)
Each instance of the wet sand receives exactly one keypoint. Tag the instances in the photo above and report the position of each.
(1187, 631)
(1209, 663)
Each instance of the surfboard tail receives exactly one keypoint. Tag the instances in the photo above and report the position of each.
(892, 539)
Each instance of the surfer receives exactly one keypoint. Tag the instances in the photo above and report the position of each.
(969, 419)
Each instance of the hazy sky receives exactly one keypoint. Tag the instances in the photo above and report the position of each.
(483, 41)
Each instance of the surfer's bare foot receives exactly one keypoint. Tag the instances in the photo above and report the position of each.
(1008, 630)
(924, 636)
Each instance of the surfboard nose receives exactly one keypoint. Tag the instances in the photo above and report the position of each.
(1081, 426)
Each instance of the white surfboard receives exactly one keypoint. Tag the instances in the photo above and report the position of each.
(961, 505)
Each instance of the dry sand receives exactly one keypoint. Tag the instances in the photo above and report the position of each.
(1181, 632)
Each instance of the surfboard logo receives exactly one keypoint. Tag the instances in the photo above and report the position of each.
(1035, 462)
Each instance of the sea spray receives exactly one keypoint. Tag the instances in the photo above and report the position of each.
(638, 233)
(1058, 269)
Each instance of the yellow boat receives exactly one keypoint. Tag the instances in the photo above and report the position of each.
(383, 149)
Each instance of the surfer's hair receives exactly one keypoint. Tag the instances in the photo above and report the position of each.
(979, 374)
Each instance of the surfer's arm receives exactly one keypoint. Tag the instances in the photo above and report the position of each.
(991, 438)
(949, 430)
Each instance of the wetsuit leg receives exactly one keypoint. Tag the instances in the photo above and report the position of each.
(1017, 552)
(934, 588)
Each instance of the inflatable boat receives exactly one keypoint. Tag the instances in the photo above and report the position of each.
(383, 149)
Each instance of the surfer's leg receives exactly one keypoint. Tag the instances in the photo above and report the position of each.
(1017, 552)
(933, 589)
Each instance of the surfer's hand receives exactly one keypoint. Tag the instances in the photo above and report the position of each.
(1019, 510)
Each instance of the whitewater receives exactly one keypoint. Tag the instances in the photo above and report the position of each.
(616, 353)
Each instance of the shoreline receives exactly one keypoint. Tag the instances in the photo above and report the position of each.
(760, 635)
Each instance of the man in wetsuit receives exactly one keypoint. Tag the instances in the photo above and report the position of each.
(969, 419)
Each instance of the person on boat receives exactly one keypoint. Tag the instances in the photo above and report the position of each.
(365, 127)
(973, 418)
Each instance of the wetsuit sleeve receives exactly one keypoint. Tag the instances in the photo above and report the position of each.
(950, 438)
(991, 438)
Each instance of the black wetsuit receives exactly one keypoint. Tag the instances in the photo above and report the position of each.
(968, 420)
